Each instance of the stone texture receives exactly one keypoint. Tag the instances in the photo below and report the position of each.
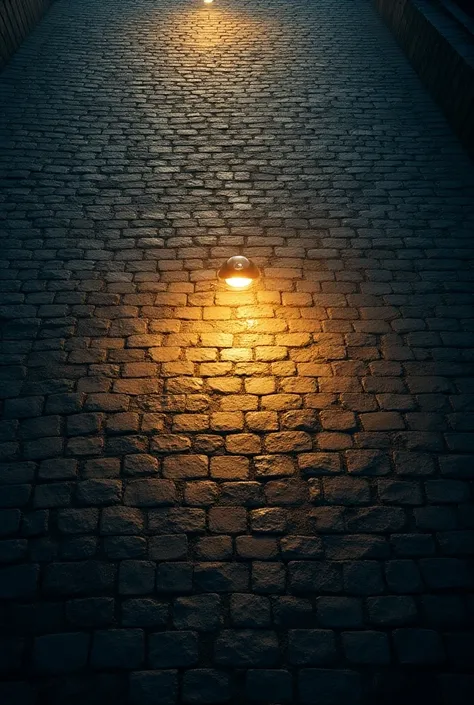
(210, 496)
(444, 38)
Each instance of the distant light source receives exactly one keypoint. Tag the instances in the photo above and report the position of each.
(238, 272)
(207, 2)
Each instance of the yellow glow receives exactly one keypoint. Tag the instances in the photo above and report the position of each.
(238, 282)
(207, 2)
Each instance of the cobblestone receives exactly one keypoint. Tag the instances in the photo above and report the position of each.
(211, 496)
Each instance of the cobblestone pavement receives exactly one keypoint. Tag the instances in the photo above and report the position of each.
(208, 496)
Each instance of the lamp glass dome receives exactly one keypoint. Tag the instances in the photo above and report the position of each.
(238, 272)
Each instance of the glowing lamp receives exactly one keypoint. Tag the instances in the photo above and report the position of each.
(239, 272)
(207, 2)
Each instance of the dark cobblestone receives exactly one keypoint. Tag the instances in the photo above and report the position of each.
(153, 687)
(60, 653)
(219, 497)
(206, 685)
(268, 685)
(173, 649)
(118, 648)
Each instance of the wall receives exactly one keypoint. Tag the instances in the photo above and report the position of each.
(17, 19)
(442, 55)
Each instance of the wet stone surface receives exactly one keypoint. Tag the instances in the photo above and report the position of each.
(218, 497)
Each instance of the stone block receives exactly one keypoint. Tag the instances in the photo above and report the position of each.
(269, 685)
(201, 613)
(206, 686)
(154, 687)
(60, 653)
(174, 578)
(144, 612)
(340, 612)
(320, 686)
(367, 647)
(136, 577)
(173, 649)
(418, 646)
(221, 577)
(311, 647)
(171, 547)
(118, 649)
(237, 648)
